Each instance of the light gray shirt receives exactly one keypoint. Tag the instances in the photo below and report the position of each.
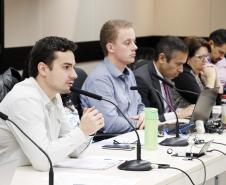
(112, 84)
(41, 119)
(221, 71)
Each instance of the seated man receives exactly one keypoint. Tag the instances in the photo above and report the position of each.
(171, 53)
(36, 107)
(112, 79)
(217, 42)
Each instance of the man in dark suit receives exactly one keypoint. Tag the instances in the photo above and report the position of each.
(171, 53)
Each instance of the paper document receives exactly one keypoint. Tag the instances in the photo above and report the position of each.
(129, 138)
(91, 162)
(92, 179)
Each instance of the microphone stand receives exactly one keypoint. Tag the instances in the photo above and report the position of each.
(51, 173)
(173, 141)
(170, 84)
(137, 164)
(132, 165)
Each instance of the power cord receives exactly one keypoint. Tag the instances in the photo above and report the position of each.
(167, 166)
(216, 151)
(219, 143)
(170, 151)
(184, 173)
(159, 166)
(204, 167)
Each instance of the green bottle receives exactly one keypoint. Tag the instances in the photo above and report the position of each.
(151, 122)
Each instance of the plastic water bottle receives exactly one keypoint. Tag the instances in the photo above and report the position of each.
(223, 108)
(151, 122)
(73, 117)
(199, 124)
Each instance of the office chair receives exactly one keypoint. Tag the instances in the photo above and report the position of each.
(75, 98)
(140, 63)
(7, 80)
(143, 56)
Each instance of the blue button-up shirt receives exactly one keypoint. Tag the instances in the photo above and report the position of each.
(112, 84)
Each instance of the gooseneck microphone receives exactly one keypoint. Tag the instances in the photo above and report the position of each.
(51, 173)
(170, 84)
(173, 141)
(86, 93)
(132, 165)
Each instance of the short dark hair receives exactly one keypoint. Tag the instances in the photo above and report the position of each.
(194, 43)
(218, 37)
(44, 51)
(169, 45)
(109, 32)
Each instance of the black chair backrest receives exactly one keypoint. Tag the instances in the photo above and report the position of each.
(140, 63)
(143, 56)
(75, 98)
(7, 80)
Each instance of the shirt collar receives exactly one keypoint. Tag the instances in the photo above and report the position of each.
(158, 73)
(47, 101)
(115, 72)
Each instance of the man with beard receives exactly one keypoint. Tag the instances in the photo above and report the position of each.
(217, 42)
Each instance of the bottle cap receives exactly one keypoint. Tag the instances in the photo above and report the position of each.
(200, 126)
(223, 98)
(151, 113)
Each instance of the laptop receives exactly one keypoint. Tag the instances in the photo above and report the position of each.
(7, 171)
(204, 105)
(202, 111)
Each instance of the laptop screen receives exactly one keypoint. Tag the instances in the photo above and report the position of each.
(204, 104)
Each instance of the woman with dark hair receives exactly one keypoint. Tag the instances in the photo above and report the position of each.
(197, 74)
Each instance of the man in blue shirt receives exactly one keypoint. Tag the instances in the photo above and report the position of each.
(112, 79)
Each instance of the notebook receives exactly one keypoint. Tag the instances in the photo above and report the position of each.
(7, 171)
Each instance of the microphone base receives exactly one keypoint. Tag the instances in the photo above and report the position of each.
(135, 165)
(174, 141)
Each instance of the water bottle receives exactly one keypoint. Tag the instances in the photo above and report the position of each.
(73, 117)
(223, 108)
(151, 122)
(199, 125)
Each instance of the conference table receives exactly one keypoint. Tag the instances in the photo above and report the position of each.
(215, 163)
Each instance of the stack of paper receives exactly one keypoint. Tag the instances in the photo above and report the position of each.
(68, 178)
(91, 162)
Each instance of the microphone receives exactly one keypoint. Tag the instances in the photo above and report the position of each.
(51, 173)
(174, 141)
(132, 165)
(170, 84)
(164, 80)
(86, 93)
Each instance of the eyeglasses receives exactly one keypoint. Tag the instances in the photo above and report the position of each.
(201, 57)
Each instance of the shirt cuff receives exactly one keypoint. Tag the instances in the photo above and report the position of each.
(169, 116)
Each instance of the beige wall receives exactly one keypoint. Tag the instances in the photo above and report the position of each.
(88, 66)
(188, 17)
(182, 17)
(78, 20)
(217, 14)
(22, 22)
